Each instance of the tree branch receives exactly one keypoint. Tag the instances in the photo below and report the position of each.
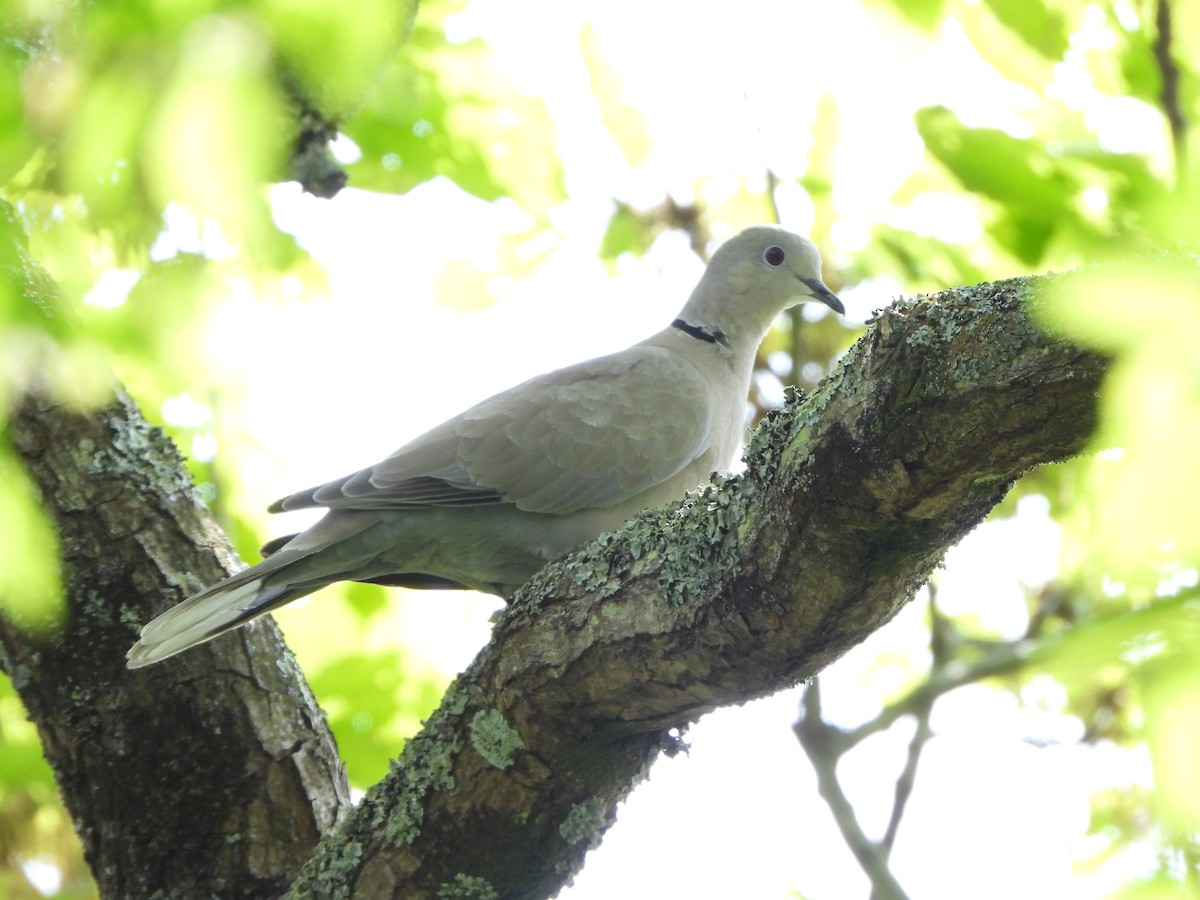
(922, 710)
(824, 746)
(849, 500)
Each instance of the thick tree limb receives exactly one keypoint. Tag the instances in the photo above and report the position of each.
(212, 778)
(213, 774)
(849, 500)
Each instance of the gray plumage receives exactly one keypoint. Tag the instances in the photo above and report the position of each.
(487, 498)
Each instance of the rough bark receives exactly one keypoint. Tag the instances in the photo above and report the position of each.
(212, 778)
(215, 777)
(213, 773)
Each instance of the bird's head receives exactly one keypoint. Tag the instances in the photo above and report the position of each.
(752, 278)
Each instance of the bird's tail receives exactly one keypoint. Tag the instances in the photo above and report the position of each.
(213, 611)
(295, 566)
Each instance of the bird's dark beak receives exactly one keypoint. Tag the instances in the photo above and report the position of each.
(818, 291)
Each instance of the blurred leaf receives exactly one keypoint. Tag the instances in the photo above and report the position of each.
(463, 287)
(337, 56)
(449, 110)
(1118, 818)
(33, 823)
(1042, 29)
(1103, 652)
(820, 166)
(1132, 184)
(1005, 49)
(216, 135)
(1160, 886)
(61, 240)
(1172, 709)
(373, 701)
(1046, 193)
(1093, 307)
(1150, 407)
(1140, 71)
(1018, 173)
(16, 141)
(921, 262)
(39, 342)
(625, 123)
(367, 600)
(1170, 214)
(628, 232)
(1025, 236)
(22, 765)
(925, 14)
(1140, 75)
(158, 102)
(30, 590)
(158, 321)
(101, 144)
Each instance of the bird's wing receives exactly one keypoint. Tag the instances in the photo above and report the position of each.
(591, 435)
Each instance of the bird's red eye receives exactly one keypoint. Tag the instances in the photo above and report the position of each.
(773, 256)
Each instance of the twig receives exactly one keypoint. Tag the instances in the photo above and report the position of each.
(772, 187)
(822, 744)
(1004, 659)
(939, 645)
(826, 744)
(1169, 75)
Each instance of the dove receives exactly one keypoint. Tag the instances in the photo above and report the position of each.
(486, 499)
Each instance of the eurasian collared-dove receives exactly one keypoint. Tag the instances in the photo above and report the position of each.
(486, 499)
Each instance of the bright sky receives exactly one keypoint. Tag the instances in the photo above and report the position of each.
(380, 361)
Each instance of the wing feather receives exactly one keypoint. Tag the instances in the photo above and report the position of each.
(591, 435)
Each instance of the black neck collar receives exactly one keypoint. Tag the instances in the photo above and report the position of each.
(711, 337)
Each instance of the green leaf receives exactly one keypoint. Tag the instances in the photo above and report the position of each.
(925, 14)
(21, 761)
(625, 123)
(1150, 409)
(1172, 710)
(923, 263)
(214, 134)
(1131, 67)
(367, 600)
(1041, 29)
(1040, 190)
(336, 56)
(1007, 51)
(628, 232)
(450, 111)
(1139, 69)
(1026, 236)
(820, 170)
(16, 141)
(158, 321)
(373, 701)
(463, 286)
(30, 591)
(1016, 172)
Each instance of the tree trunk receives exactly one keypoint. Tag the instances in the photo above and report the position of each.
(214, 774)
(215, 777)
